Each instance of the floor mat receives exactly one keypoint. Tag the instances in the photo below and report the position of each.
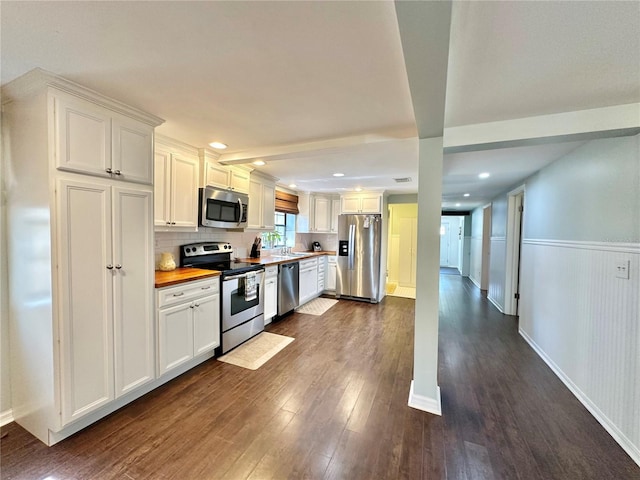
(257, 351)
(317, 306)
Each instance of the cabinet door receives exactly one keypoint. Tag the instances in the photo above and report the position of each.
(239, 180)
(270, 298)
(335, 213)
(133, 314)
(350, 204)
(131, 150)
(254, 215)
(217, 175)
(331, 276)
(268, 206)
(184, 190)
(83, 136)
(206, 324)
(175, 336)
(86, 298)
(371, 204)
(162, 188)
(321, 212)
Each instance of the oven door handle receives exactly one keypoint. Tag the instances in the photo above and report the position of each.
(241, 275)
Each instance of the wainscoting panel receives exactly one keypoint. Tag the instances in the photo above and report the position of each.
(475, 271)
(584, 322)
(497, 265)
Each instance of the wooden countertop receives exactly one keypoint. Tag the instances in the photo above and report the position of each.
(277, 260)
(182, 275)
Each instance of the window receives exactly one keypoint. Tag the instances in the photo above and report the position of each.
(285, 227)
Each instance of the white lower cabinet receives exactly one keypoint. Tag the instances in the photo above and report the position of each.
(330, 284)
(188, 322)
(308, 284)
(270, 293)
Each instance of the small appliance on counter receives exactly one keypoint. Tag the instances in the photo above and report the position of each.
(316, 247)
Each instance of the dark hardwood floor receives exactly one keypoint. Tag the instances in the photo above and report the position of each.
(333, 404)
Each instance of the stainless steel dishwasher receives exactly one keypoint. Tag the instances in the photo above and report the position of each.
(288, 287)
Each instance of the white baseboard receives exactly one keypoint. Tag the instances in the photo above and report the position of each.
(626, 444)
(495, 304)
(6, 417)
(426, 404)
(475, 282)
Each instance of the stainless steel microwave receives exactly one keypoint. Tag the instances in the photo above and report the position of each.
(221, 208)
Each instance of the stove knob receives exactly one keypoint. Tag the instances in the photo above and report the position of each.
(188, 250)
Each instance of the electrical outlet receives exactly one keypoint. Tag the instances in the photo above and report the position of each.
(622, 270)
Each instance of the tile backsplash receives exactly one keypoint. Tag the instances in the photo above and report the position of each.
(240, 241)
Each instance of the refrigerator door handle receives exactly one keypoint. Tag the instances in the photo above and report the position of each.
(352, 236)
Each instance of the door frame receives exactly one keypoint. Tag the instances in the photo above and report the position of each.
(514, 244)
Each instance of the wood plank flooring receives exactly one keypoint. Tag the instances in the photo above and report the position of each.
(333, 405)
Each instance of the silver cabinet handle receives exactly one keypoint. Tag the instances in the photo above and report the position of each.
(173, 223)
(197, 305)
(190, 306)
(178, 294)
(168, 223)
(117, 172)
(110, 267)
(205, 288)
(109, 171)
(118, 266)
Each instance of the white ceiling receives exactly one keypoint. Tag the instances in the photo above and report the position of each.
(272, 74)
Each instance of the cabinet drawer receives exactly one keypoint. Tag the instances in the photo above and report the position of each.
(271, 271)
(186, 291)
(312, 262)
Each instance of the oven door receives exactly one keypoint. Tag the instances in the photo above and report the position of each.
(222, 208)
(235, 308)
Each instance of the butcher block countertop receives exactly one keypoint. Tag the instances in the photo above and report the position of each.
(277, 260)
(182, 275)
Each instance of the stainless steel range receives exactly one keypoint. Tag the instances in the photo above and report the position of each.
(242, 305)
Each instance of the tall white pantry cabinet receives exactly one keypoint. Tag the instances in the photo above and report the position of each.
(79, 174)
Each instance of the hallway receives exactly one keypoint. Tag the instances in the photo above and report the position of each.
(333, 405)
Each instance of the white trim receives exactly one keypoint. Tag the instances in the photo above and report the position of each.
(426, 404)
(475, 282)
(6, 417)
(608, 425)
(495, 304)
(498, 239)
(601, 246)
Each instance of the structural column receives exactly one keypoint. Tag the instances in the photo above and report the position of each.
(425, 393)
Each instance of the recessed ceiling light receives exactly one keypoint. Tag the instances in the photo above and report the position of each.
(292, 185)
(338, 174)
(466, 194)
(457, 204)
(258, 162)
(358, 189)
(484, 175)
(218, 145)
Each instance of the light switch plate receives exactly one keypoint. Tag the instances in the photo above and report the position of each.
(622, 270)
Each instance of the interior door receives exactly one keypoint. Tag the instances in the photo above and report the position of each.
(407, 247)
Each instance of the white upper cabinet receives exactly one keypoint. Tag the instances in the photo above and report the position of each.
(94, 140)
(335, 213)
(222, 176)
(262, 203)
(175, 186)
(321, 214)
(362, 203)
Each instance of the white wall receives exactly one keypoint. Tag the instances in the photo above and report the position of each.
(581, 220)
(5, 379)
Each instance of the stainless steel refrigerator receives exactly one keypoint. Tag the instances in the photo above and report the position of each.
(358, 266)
